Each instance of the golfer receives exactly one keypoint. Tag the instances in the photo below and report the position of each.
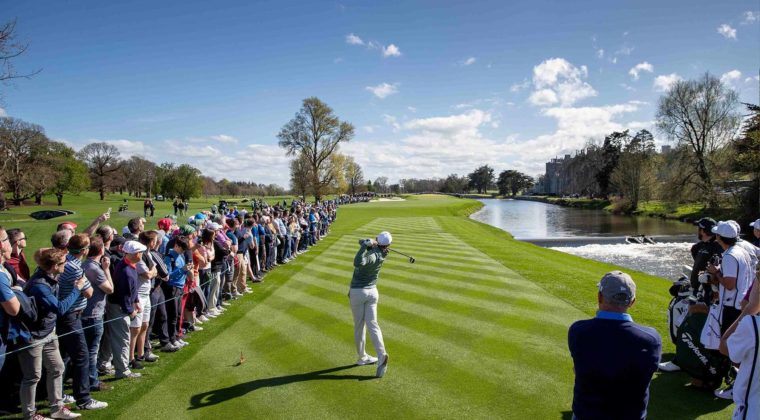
(363, 296)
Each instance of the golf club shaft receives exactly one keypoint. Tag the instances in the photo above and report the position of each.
(399, 252)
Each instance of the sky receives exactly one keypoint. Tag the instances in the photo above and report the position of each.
(432, 87)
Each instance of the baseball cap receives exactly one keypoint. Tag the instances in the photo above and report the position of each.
(735, 224)
(384, 238)
(67, 225)
(171, 216)
(726, 230)
(214, 226)
(756, 224)
(706, 223)
(618, 287)
(117, 241)
(187, 230)
(133, 247)
(165, 223)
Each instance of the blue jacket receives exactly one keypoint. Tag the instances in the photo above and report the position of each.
(44, 289)
(175, 263)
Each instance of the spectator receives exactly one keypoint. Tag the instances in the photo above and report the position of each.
(178, 273)
(18, 259)
(614, 358)
(96, 270)
(69, 325)
(123, 306)
(146, 272)
(158, 318)
(8, 300)
(135, 226)
(42, 350)
(756, 232)
(90, 230)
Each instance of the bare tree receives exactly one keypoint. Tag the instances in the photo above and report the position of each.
(103, 160)
(316, 133)
(702, 115)
(300, 174)
(10, 49)
(22, 147)
(354, 175)
(381, 184)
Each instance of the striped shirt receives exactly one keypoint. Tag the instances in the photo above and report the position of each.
(71, 273)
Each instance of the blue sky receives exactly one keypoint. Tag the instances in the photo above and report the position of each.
(432, 88)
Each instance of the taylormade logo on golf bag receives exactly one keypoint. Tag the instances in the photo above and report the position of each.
(686, 338)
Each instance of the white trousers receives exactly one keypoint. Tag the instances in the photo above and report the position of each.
(364, 308)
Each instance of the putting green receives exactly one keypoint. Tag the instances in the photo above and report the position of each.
(476, 328)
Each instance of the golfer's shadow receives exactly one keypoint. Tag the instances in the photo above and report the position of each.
(221, 395)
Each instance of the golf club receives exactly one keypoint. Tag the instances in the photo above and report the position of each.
(411, 259)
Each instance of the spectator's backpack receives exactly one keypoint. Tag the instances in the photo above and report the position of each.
(694, 358)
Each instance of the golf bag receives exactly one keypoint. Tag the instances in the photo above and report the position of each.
(693, 357)
(679, 306)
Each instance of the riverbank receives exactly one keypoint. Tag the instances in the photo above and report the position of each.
(682, 212)
(479, 316)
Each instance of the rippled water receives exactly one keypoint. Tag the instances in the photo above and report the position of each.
(595, 234)
(663, 260)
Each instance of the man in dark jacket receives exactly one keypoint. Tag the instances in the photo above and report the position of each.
(614, 358)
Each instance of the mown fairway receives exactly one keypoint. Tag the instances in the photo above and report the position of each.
(476, 328)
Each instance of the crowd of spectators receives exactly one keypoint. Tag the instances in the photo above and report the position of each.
(105, 302)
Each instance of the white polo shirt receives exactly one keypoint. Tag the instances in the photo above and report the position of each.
(735, 263)
(743, 349)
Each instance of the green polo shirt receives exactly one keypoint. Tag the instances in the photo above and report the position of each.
(367, 264)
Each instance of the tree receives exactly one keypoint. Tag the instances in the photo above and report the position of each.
(454, 184)
(635, 175)
(73, 176)
(316, 133)
(183, 181)
(700, 114)
(381, 184)
(512, 182)
(10, 49)
(22, 147)
(102, 159)
(747, 148)
(481, 179)
(610, 154)
(354, 175)
(300, 175)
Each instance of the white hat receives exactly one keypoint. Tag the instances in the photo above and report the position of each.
(726, 230)
(756, 224)
(384, 238)
(133, 247)
(214, 226)
(736, 225)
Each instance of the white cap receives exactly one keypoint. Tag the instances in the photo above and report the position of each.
(736, 225)
(756, 224)
(384, 238)
(726, 230)
(214, 226)
(133, 247)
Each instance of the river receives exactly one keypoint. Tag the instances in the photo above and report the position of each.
(595, 234)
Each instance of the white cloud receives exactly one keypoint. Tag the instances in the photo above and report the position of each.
(520, 86)
(392, 121)
(127, 148)
(556, 80)
(627, 87)
(439, 146)
(383, 90)
(3, 113)
(352, 39)
(638, 68)
(412, 109)
(751, 79)
(663, 82)
(750, 17)
(600, 53)
(624, 50)
(369, 129)
(468, 61)
(727, 31)
(731, 77)
(223, 138)
(391, 51)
